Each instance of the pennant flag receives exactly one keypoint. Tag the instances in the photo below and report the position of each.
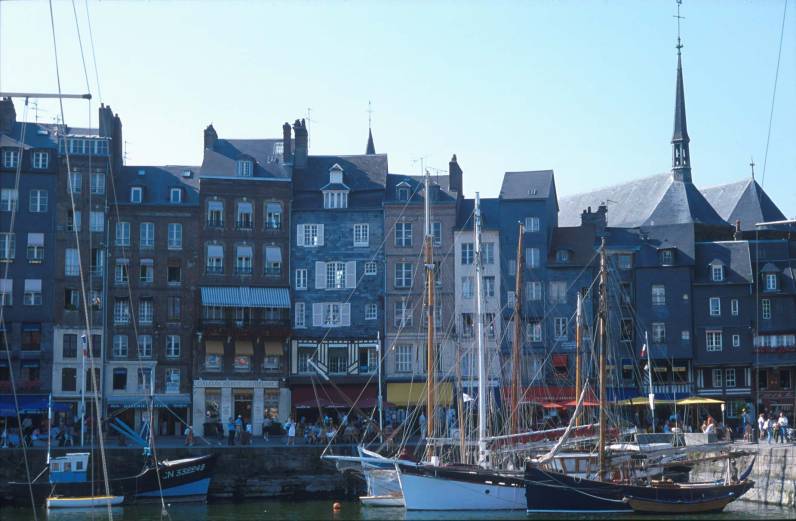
(643, 350)
(467, 398)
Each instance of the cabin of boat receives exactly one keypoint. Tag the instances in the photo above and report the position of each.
(72, 468)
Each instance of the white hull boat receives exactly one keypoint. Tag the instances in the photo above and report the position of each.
(84, 502)
(382, 501)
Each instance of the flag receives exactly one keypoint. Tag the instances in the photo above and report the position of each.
(467, 398)
(643, 350)
(84, 342)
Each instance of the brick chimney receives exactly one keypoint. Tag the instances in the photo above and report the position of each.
(301, 151)
(737, 234)
(117, 142)
(105, 121)
(455, 181)
(211, 138)
(597, 219)
(287, 144)
(8, 116)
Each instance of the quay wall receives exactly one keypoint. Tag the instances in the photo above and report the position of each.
(241, 472)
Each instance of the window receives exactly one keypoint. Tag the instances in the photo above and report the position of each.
(244, 215)
(625, 261)
(120, 346)
(301, 278)
(8, 246)
(489, 324)
(121, 311)
(146, 311)
(533, 290)
(558, 292)
(97, 183)
(147, 235)
(145, 346)
(175, 195)
(120, 272)
(717, 272)
(562, 256)
(771, 281)
(74, 219)
(173, 346)
(335, 275)
(119, 378)
(335, 199)
(403, 234)
(734, 307)
(658, 333)
(403, 275)
(136, 195)
(332, 314)
(531, 224)
(729, 377)
(215, 214)
(371, 312)
(101, 147)
(32, 295)
(77, 146)
(736, 340)
(6, 294)
(361, 235)
(626, 331)
(122, 234)
(71, 299)
(467, 287)
(300, 315)
(510, 297)
(273, 216)
(658, 295)
(717, 378)
(403, 358)
(715, 307)
(175, 236)
(69, 379)
(71, 262)
(41, 160)
(173, 308)
(532, 257)
(8, 200)
(76, 183)
(533, 330)
(243, 168)
(273, 261)
(97, 221)
(403, 314)
(172, 380)
(488, 253)
(310, 235)
(468, 325)
(666, 257)
(146, 272)
(215, 258)
(489, 286)
(144, 379)
(38, 201)
(714, 340)
(468, 253)
(31, 336)
(69, 346)
(784, 378)
(10, 158)
(765, 305)
(243, 260)
(436, 233)
(370, 268)
(35, 247)
(560, 328)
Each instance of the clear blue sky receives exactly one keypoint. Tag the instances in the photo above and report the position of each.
(583, 87)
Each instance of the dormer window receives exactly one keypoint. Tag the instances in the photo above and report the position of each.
(562, 256)
(666, 257)
(771, 281)
(244, 168)
(136, 195)
(41, 160)
(717, 272)
(175, 195)
(335, 199)
(336, 174)
(402, 191)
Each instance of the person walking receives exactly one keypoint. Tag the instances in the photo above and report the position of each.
(761, 424)
(231, 431)
(422, 422)
(291, 431)
(188, 436)
(782, 426)
(767, 429)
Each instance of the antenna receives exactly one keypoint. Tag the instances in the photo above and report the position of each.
(309, 120)
(679, 42)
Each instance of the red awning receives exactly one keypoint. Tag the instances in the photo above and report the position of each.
(552, 405)
(559, 360)
(547, 394)
(307, 396)
(586, 403)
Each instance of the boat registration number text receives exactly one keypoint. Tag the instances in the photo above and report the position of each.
(170, 474)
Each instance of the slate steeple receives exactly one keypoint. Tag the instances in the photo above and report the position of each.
(371, 148)
(681, 155)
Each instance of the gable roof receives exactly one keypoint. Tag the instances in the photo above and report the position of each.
(360, 172)
(536, 184)
(490, 214)
(219, 161)
(734, 255)
(415, 183)
(157, 182)
(744, 201)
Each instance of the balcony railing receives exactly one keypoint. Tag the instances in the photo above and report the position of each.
(214, 269)
(243, 270)
(244, 224)
(273, 224)
(246, 323)
(214, 222)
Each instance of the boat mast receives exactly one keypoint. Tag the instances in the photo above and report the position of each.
(381, 399)
(479, 322)
(49, 425)
(603, 316)
(578, 347)
(516, 368)
(649, 379)
(84, 342)
(430, 354)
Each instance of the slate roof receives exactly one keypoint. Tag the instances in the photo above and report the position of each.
(490, 214)
(219, 161)
(658, 200)
(734, 255)
(580, 241)
(416, 188)
(539, 184)
(36, 136)
(364, 175)
(743, 200)
(157, 182)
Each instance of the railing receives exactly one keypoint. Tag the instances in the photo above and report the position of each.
(232, 323)
(244, 225)
(213, 222)
(673, 388)
(273, 225)
(273, 272)
(214, 269)
(243, 270)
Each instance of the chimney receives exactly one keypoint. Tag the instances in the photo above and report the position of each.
(301, 150)
(117, 142)
(287, 144)
(211, 138)
(105, 121)
(737, 234)
(455, 176)
(8, 116)
(597, 219)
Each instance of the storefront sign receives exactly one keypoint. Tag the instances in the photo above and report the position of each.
(238, 384)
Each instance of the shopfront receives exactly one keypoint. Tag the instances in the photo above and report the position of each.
(216, 401)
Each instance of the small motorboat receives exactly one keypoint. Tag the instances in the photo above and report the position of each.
(662, 506)
(392, 500)
(84, 502)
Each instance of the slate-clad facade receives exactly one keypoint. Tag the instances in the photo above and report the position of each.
(337, 267)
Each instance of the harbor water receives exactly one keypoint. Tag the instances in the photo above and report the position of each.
(311, 510)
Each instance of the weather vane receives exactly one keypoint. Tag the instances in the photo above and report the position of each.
(679, 43)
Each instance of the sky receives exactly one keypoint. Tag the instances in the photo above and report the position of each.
(583, 87)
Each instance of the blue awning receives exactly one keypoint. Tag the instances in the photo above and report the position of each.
(28, 405)
(245, 297)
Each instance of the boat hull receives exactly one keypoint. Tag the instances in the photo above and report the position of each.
(646, 506)
(427, 487)
(84, 502)
(382, 501)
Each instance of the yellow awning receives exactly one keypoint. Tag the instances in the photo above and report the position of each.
(273, 348)
(243, 347)
(699, 400)
(643, 400)
(214, 347)
(408, 394)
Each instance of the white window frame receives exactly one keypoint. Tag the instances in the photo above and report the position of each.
(488, 253)
(534, 331)
(765, 308)
(371, 311)
(175, 195)
(658, 332)
(335, 275)
(361, 235)
(371, 268)
(38, 201)
(714, 306)
(717, 378)
(403, 313)
(173, 346)
(32, 295)
(713, 340)
(729, 377)
(403, 274)
(771, 281)
(436, 233)
(468, 287)
(10, 158)
(136, 194)
(300, 312)
(734, 307)
(532, 257)
(403, 234)
(146, 240)
(71, 262)
(9, 198)
(403, 358)
(532, 224)
(97, 183)
(122, 235)
(560, 328)
(736, 340)
(96, 221)
(244, 168)
(145, 346)
(534, 290)
(717, 273)
(75, 182)
(301, 279)
(467, 253)
(121, 345)
(174, 236)
(658, 295)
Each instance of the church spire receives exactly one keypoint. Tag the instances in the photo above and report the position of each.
(681, 155)
(371, 148)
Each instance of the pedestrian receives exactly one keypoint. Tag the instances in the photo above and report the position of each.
(231, 431)
(291, 431)
(761, 424)
(248, 433)
(767, 429)
(783, 426)
(188, 436)
(267, 423)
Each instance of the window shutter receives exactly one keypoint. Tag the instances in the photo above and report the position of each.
(351, 274)
(345, 314)
(320, 235)
(317, 314)
(320, 275)
(300, 235)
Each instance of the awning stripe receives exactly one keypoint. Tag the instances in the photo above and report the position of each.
(246, 297)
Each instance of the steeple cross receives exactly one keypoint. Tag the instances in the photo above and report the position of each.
(679, 42)
(370, 114)
(752, 164)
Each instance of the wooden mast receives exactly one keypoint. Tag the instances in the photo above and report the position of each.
(516, 367)
(430, 354)
(603, 316)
